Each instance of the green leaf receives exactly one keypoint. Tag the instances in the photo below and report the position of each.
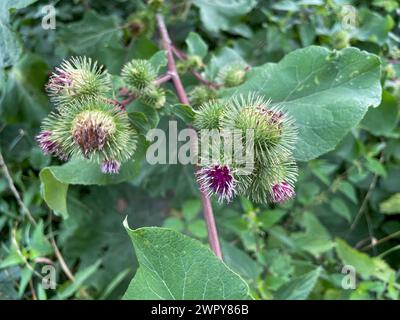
(240, 261)
(375, 166)
(326, 92)
(348, 190)
(159, 60)
(315, 239)
(80, 279)
(139, 121)
(191, 209)
(8, 6)
(339, 206)
(196, 45)
(184, 112)
(151, 114)
(269, 218)
(99, 37)
(381, 121)
(84, 172)
(391, 205)
(39, 246)
(221, 14)
(363, 264)
(174, 266)
(23, 98)
(10, 46)
(54, 192)
(174, 224)
(198, 228)
(299, 288)
(373, 27)
(55, 179)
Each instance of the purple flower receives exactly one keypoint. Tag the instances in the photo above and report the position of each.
(110, 166)
(47, 145)
(217, 179)
(282, 192)
(59, 81)
(90, 135)
(275, 116)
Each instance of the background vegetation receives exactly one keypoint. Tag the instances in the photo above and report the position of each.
(348, 201)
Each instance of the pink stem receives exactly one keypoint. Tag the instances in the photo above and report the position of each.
(207, 208)
(162, 79)
(183, 56)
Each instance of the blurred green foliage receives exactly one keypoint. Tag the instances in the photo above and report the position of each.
(347, 205)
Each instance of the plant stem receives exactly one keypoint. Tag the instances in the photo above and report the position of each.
(207, 208)
(181, 55)
(15, 192)
(164, 78)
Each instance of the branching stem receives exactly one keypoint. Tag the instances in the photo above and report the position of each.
(207, 208)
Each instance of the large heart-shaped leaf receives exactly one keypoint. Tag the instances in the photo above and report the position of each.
(326, 92)
(174, 267)
(55, 179)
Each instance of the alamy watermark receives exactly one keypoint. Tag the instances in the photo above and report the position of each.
(349, 281)
(49, 277)
(230, 146)
(49, 17)
(349, 17)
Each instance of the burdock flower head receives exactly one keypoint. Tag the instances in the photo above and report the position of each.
(201, 94)
(232, 75)
(76, 79)
(138, 75)
(274, 131)
(92, 129)
(282, 192)
(209, 115)
(273, 136)
(217, 179)
(153, 97)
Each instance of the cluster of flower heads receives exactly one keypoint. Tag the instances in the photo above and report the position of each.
(274, 169)
(85, 124)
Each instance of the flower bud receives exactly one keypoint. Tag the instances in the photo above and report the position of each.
(341, 39)
(282, 192)
(201, 94)
(182, 67)
(153, 97)
(138, 75)
(141, 23)
(232, 75)
(194, 62)
(209, 114)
